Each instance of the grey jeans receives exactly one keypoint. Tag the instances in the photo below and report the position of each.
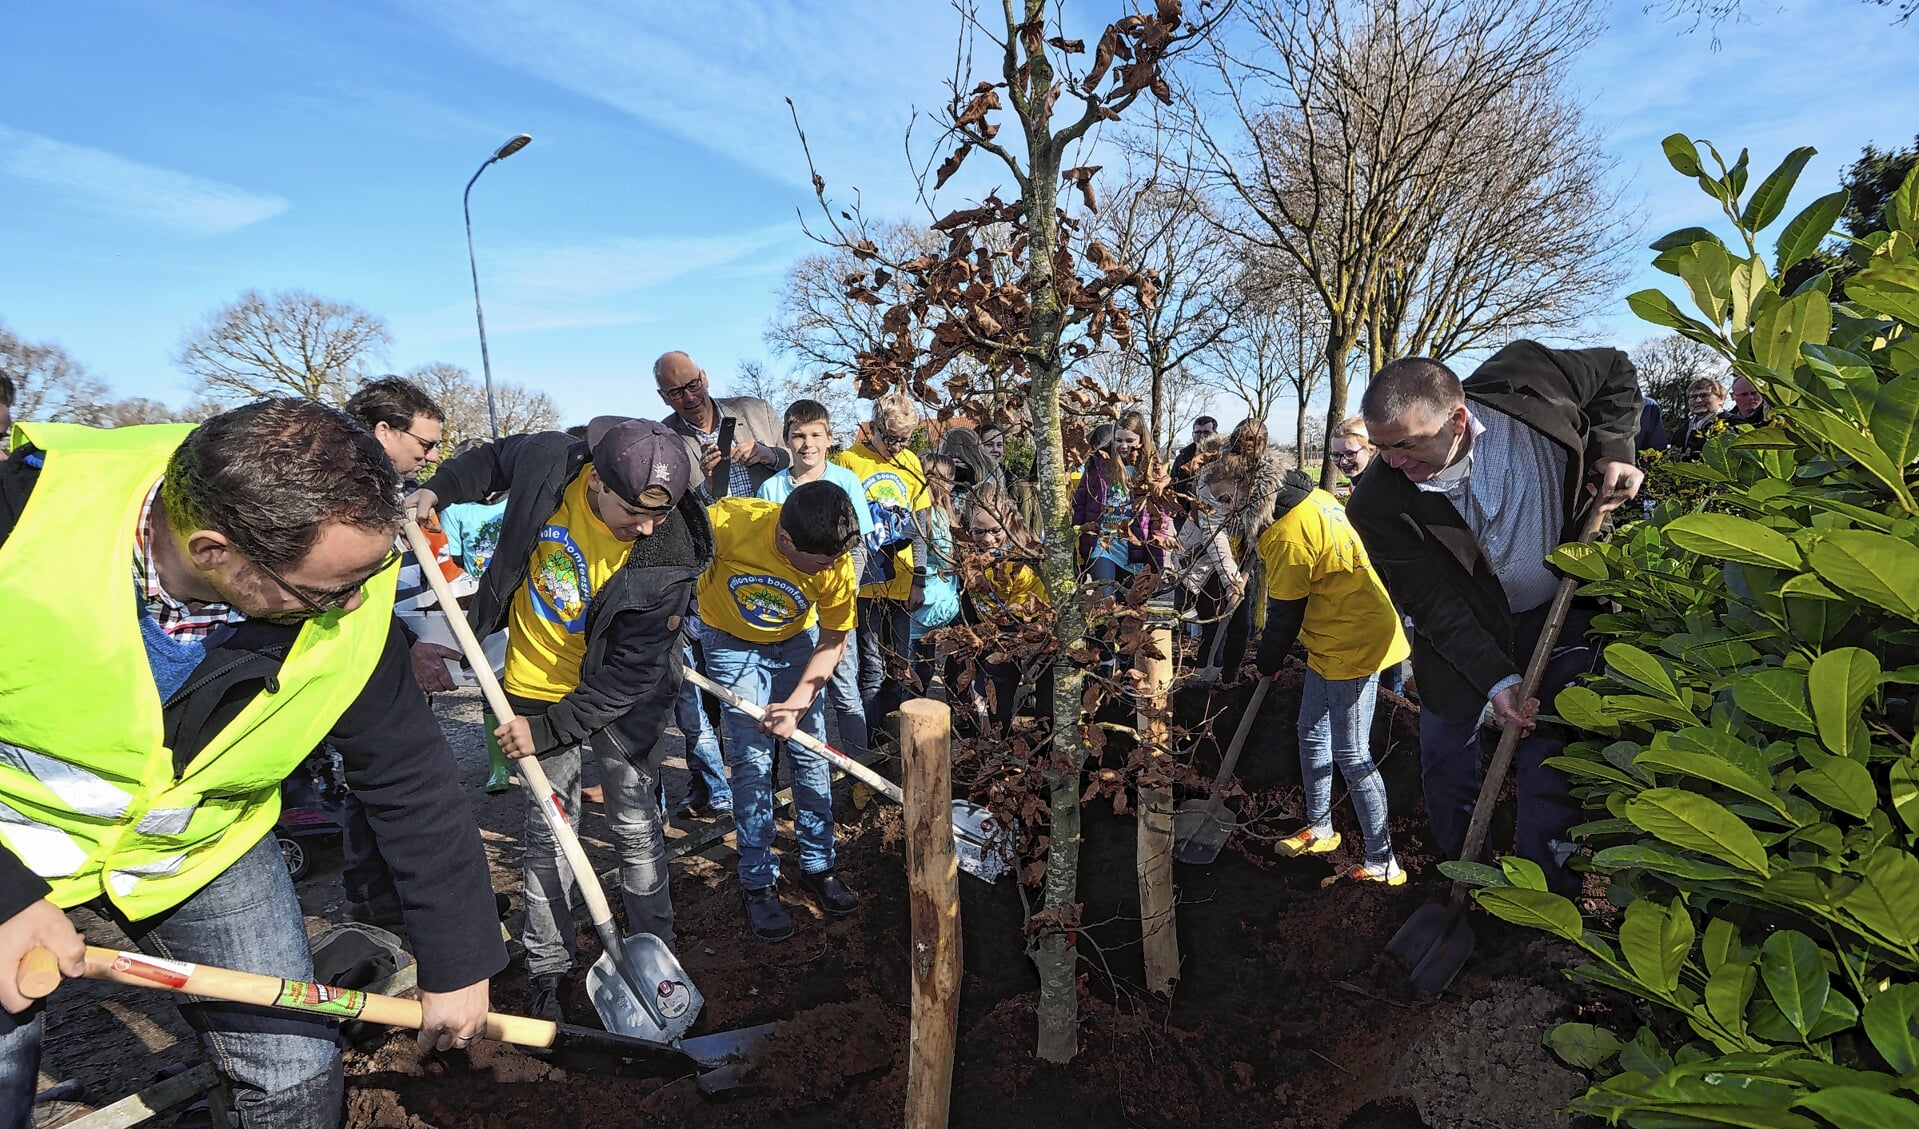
(633, 818)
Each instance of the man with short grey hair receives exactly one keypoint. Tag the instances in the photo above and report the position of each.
(1481, 481)
(734, 441)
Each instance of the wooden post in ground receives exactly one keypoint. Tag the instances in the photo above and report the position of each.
(926, 732)
(1158, 937)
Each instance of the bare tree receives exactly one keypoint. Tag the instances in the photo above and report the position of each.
(49, 384)
(1526, 241)
(1668, 365)
(1273, 351)
(284, 343)
(1343, 125)
(463, 399)
(1159, 217)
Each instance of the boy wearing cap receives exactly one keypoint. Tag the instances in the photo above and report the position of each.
(600, 548)
(775, 607)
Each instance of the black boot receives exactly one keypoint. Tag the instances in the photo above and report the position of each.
(546, 997)
(765, 916)
(830, 893)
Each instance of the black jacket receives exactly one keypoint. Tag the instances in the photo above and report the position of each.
(397, 762)
(1587, 401)
(631, 673)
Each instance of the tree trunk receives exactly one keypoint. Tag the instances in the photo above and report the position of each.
(1339, 344)
(1299, 431)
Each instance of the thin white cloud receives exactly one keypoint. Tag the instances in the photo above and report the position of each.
(718, 73)
(114, 186)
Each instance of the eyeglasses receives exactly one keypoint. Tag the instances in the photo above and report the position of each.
(427, 446)
(1345, 456)
(892, 439)
(689, 390)
(324, 602)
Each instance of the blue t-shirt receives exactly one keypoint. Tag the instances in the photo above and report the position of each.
(472, 533)
(776, 488)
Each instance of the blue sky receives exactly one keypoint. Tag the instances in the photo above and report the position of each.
(158, 159)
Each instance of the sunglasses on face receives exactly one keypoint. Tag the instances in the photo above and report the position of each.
(427, 446)
(320, 603)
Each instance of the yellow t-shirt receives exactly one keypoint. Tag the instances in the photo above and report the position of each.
(1010, 582)
(572, 559)
(1312, 553)
(896, 484)
(752, 592)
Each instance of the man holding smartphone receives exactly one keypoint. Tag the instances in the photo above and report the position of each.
(734, 441)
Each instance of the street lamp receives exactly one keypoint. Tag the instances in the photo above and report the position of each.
(518, 142)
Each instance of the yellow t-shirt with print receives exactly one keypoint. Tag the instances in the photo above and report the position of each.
(1010, 582)
(573, 558)
(891, 484)
(752, 592)
(1312, 553)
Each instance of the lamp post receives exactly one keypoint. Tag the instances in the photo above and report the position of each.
(517, 143)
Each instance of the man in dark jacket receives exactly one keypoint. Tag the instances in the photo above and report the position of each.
(1480, 482)
(220, 603)
(600, 546)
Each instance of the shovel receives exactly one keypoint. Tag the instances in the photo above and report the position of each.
(637, 985)
(1437, 940)
(715, 1058)
(801, 738)
(1201, 827)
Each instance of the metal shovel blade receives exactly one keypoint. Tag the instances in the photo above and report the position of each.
(1436, 942)
(657, 972)
(1200, 829)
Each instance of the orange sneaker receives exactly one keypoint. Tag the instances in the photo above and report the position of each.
(1306, 841)
(1387, 875)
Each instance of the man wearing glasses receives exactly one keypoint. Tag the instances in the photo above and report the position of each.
(748, 423)
(600, 548)
(1482, 480)
(191, 610)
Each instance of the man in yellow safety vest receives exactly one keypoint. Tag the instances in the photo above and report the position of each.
(189, 612)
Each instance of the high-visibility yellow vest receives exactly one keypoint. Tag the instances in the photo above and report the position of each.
(89, 798)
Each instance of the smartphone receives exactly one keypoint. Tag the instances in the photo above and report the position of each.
(723, 471)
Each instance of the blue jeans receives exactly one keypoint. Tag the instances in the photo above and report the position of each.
(1336, 727)
(768, 672)
(843, 698)
(284, 1068)
(704, 760)
(1449, 758)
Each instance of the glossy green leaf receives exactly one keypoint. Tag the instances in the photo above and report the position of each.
(1728, 990)
(1839, 683)
(1654, 306)
(1535, 909)
(1581, 559)
(1891, 1019)
(1781, 327)
(1583, 1045)
(1749, 281)
(1769, 199)
(1803, 234)
(1903, 779)
(1729, 538)
(1719, 944)
(1655, 940)
(1886, 287)
(1886, 900)
(1849, 440)
(1583, 708)
(1719, 743)
(1706, 269)
(1473, 873)
(1522, 873)
(1902, 207)
(1794, 974)
(1642, 707)
(1682, 154)
(1634, 666)
(1777, 695)
(1661, 861)
(1693, 822)
(1841, 784)
(1895, 419)
(1855, 1107)
(1874, 567)
(1703, 766)
(1840, 1014)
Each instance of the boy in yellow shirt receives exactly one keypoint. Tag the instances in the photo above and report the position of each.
(1324, 593)
(775, 607)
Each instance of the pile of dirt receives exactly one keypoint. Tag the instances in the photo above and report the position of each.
(1287, 1012)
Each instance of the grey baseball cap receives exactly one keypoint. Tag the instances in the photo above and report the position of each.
(633, 454)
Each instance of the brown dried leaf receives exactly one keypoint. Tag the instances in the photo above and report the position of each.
(951, 165)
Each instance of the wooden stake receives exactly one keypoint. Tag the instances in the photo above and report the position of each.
(1158, 937)
(926, 731)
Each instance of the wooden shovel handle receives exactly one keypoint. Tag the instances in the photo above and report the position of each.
(529, 767)
(40, 974)
(1509, 736)
(801, 738)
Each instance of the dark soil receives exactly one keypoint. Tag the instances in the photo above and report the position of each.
(1288, 1013)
